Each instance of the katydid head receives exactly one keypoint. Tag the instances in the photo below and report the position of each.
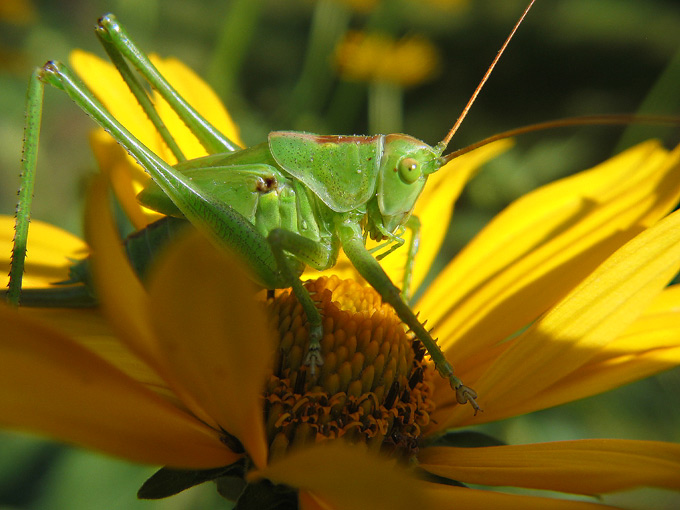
(406, 162)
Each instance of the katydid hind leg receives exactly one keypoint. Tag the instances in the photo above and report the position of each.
(141, 95)
(352, 243)
(34, 102)
(221, 223)
(110, 31)
(318, 255)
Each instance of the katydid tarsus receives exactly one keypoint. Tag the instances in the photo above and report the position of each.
(291, 201)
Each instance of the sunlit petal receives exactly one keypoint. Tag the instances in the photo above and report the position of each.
(540, 247)
(215, 337)
(593, 314)
(590, 466)
(49, 256)
(347, 477)
(648, 346)
(120, 292)
(51, 385)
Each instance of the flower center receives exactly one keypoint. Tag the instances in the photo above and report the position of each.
(373, 387)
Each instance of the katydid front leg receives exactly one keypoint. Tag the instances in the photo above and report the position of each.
(317, 255)
(349, 232)
(413, 224)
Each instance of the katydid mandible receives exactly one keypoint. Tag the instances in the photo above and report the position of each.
(291, 201)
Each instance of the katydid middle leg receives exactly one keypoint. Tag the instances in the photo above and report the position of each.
(318, 255)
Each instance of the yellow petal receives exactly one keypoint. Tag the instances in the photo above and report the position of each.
(215, 337)
(49, 251)
(199, 95)
(121, 294)
(89, 329)
(343, 269)
(593, 314)
(590, 466)
(445, 497)
(345, 476)
(648, 346)
(50, 385)
(541, 246)
(123, 299)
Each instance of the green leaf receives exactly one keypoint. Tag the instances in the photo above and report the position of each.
(264, 495)
(167, 481)
(466, 439)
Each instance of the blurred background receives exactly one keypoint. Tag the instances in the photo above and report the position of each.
(319, 66)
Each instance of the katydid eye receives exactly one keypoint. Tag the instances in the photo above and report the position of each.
(409, 170)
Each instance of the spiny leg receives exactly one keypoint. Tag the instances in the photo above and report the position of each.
(352, 243)
(34, 102)
(317, 255)
(112, 33)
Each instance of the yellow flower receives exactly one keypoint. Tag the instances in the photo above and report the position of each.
(17, 12)
(199, 353)
(188, 373)
(376, 57)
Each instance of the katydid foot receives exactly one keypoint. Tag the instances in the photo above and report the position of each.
(314, 358)
(464, 394)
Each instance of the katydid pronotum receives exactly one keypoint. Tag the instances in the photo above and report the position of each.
(291, 201)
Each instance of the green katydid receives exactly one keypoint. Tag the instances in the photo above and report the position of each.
(291, 201)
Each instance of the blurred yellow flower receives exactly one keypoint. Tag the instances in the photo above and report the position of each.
(17, 12)
(188, 373)
(376, 57)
